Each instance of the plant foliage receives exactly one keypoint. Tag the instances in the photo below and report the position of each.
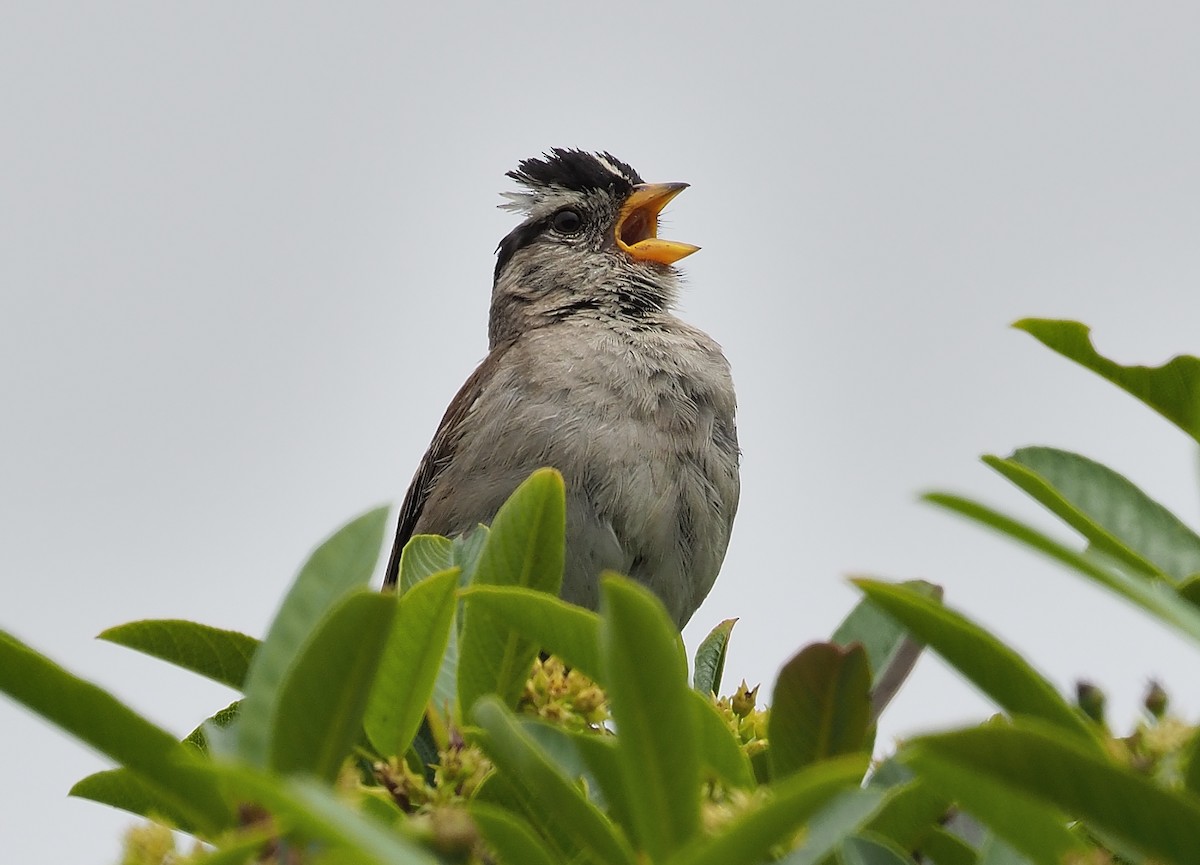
(475, 717)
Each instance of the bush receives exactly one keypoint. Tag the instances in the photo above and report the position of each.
(475, 717)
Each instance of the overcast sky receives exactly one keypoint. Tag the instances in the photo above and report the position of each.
(245, 257)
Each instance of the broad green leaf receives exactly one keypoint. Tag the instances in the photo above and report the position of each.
(709, 665)
(510, 836)
(891, 651)
(820, 707)
(1113, 514)
(337, 567)
(498, 791)
(645, 672)
(720, 752)
(1173, 389)
(1191, 765)
(223, 656)
(310, 810)
(575, 753)
(97, 718)
(1031, 826)
(525, 548)
(1041, 762)
(324, 694)
(411, 659)
(870, 849)
(791, 802)
(526, 766)
(423, 556)
(570, 633)
(1154, 596)
(845, 815)
(991, 665)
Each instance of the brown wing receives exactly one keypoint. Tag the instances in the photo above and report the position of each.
(439, 455)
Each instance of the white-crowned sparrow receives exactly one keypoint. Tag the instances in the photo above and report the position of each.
(588, 371)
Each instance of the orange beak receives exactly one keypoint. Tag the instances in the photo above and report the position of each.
(637, 225)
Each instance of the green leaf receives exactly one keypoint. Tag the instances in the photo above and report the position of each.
(526, 767)
(891, 651)
(124, 789)
(820, 708)
(411, 660)
(993, 851)
(1113, 514)
(423, 556)
(1173, 389)
(222, 720)
(510, 836)
(1046, 765)
(845, 815)
(223, 656)
(946, 848)
(97, 718)
(870, 849)
(337, 567)
(912, 811)
(245, 848)
(1154, 596)
(309, 809)
(720, 752)
(991, 665)
(645, 671)
(1029, 825)
(324, 694)
(525, 548)
(710, 658)
(791, 802)
(570, 633)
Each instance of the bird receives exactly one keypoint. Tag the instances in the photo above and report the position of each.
(590, 371)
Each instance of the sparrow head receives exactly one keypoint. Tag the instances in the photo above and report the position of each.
(589, 244)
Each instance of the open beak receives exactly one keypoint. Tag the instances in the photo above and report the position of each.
(637, 224)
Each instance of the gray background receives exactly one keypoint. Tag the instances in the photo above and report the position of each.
(245, 255)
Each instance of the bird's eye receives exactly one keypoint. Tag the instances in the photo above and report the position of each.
(567, 221)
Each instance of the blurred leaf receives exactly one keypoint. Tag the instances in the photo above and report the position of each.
(337, 567)
(1045, 764)
(245, 848)
(510, 836)
(869, 849)
(1173, 389)
(124, 789)
(1191, 764)
(1113, 514)
(792, 801)
(97, 718)
(946, 848)
(322, 699)
(720, 752)
(411, 659)
(570, 633)
(645, 672)
(1154, 596)
(993, 851)
(525, 548)
(991, 665)
(527, 767)
(845, 815)
(710, 658)
(1032, 826)
(223, 656)
(912, 811)
(891, 651)
(311, 810)
(820, 707)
